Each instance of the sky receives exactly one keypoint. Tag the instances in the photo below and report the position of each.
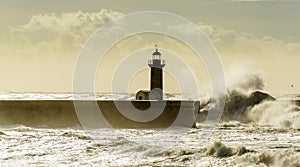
(40, 40)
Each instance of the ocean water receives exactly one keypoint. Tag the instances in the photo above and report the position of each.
(270, 138)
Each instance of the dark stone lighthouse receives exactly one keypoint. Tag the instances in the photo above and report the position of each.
(156, 65)
(156, 81)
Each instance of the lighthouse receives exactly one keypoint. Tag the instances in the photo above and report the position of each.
(156, 65)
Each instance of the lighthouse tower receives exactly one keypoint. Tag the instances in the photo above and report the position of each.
(156, 77)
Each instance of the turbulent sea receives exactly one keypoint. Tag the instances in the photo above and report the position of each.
(264, 133)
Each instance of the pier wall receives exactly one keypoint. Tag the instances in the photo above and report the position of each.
(62, 113)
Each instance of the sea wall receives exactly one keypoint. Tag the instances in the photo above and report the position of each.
(62, 113)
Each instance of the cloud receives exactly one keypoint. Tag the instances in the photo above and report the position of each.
(235, 43)
(66, 33)
(53, 33)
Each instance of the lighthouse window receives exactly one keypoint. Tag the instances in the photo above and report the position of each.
(156, 57)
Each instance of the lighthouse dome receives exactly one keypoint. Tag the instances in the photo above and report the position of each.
(156, 52)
